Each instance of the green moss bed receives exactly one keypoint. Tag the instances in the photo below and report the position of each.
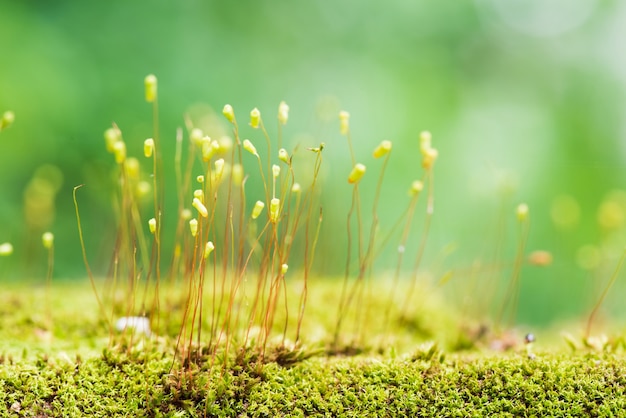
(64, 365)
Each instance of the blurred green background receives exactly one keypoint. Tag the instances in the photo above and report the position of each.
(525, 100)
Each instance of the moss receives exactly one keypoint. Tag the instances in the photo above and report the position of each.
(480, 386)
(72, 370)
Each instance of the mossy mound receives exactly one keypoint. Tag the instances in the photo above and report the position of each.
(511, 385)
(67, 364)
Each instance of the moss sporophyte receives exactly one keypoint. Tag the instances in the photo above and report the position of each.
(213, 300)
(247, 304)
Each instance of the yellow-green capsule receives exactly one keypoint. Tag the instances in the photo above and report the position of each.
(148, 147)
(185, 214)
(47, 239)
(344, 122)
(283, 113)
(196, 136)
(219, 168)
(229, 113)
(132, 168)
(237, 174)
(274, 209)
(150, 83)
(224, 145)
(247, 145)
(382, 149)
(143, 188)
(356, 174)
(283, 155)
(257, 209)
(522, 212)
(208, 249)
(111, 137)
(255, 118)
(425, 141)
(6, 249)
(202, 210)
(193, 226)
(428, 158)
(416, 187)
(7, 119)
(209, 148)
(119, 151)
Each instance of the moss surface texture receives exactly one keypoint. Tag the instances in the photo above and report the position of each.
(65, 363)
(550, 385)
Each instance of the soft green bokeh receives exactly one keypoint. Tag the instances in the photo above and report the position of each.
(524, 100)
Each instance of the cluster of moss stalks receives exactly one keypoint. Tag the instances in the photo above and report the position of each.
(230, 269)
(226, 333)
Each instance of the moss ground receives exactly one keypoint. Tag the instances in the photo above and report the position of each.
(63, 365)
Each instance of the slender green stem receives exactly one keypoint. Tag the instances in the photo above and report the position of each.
(420, 252)
(512, 294)
(409, 213)
(605, 292)
(309, 254)
(92, 280)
